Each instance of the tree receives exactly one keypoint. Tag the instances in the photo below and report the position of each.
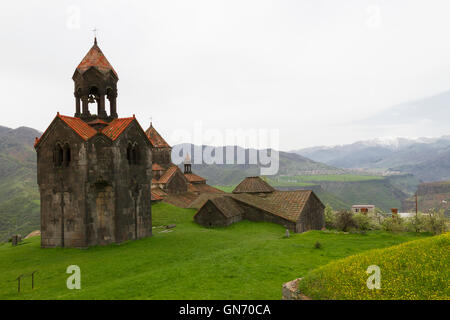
(344, 220)
(330, 218)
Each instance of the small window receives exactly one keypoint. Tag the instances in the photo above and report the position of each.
(136, 154)
(58, 155)
(129, 151)
(133, 154)
(67, 155)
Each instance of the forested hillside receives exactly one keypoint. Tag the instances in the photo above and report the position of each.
(19, 196)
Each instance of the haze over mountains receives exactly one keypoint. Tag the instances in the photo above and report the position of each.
(429, 116)
(426, 158)
(290, 164)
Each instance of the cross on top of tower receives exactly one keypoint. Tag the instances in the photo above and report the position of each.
(95, 35)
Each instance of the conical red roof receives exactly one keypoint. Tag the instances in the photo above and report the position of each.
(155, 138)
(95, 58)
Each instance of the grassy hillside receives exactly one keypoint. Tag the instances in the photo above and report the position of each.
(414, 270)
(19, 196)
(248, 260)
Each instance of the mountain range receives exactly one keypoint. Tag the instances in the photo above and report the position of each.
(334, 167)
(426, 158)
(290, 164)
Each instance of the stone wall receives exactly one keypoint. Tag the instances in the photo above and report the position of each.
(290, 291)
(210, 216)
(62, 189)
(98, 197)
(312, 217)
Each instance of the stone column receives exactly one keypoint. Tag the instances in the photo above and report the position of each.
(85, 106)
(77, 106)
(101, 111)
(112, 104)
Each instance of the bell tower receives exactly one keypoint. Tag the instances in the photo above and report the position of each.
(187, 164)
(95, 82)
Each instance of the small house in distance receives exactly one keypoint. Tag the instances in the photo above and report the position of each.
(363, 208)
(255, 200)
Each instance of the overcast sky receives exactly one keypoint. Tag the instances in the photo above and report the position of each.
(310, 69)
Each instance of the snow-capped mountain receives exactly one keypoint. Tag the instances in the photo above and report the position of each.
(426, 157)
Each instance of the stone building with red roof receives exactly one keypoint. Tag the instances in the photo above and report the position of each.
(169, 182)
(94, 170)
(255, 200)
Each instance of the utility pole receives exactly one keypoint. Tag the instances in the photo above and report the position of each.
(417, 216)
(417, 210)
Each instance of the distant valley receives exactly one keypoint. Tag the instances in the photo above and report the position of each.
(341, 176)
(427, 158)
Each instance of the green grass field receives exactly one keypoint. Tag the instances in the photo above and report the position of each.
(326, 177)
(228, 189)
(248, 260)
(413, 270)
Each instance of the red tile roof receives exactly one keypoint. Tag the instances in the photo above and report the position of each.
(168, 174)
(95, 58)
(113, 130)
(204, 197)
(228, 206)
(191, 177)
(80, 127)
(98, 121)
(116, 127)
(84, 130)
(181, 200)
(253, 185)
(157, 167)
(203, 188)
(155, 138)
(288, 205)
(159, 192)
(155, 197)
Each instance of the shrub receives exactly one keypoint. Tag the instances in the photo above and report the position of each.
(435, 221)
(415, 223)
(344, 220)
(330, 218)
(362, 221)
(393, 224)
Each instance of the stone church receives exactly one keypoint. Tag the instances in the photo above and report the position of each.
(94, 170)
(169, 183)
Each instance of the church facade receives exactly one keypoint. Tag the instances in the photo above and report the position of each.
(94, 170)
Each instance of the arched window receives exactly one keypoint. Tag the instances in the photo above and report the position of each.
(67, 155)
(58, 155)
(136, 154)
(129, 153)
(133, 153)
